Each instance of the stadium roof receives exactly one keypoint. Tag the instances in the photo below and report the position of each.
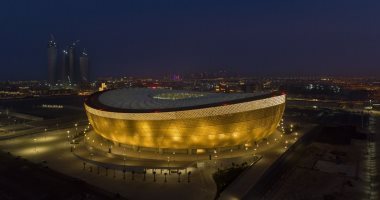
(162, 100)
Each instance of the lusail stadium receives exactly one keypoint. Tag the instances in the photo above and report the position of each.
(186, 122)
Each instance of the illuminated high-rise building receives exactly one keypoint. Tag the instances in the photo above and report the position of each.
(65, 71)
(83, 66)
(73, 69)
(52, 61)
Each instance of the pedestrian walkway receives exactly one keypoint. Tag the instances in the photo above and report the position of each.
(129, 163)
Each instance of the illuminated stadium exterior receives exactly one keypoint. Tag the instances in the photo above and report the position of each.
(180, 121)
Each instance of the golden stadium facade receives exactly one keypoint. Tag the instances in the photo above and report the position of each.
(176, 120)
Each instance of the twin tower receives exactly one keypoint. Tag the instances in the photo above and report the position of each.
(69, 68)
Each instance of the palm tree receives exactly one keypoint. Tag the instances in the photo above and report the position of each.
(154, 176)
(106, 171)
(144, 172)
(84, 165)
(165, 176)
(124, 173)
(133, 175)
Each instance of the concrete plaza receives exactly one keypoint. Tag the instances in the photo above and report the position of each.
(53, 148)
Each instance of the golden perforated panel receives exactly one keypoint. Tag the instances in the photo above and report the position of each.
(212, 127)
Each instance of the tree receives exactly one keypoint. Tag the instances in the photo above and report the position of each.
(165, 176)
(133, 175)
(154, 176)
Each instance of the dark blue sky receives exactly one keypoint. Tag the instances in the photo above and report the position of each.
(266, 37)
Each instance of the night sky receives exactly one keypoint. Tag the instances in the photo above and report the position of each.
(151, 38)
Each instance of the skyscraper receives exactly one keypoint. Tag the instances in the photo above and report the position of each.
(83, 65)
(72, 68)
(52, 60)
(65, 71)
(72, 62)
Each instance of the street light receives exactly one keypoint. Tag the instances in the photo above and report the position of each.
(45, 134)
(124, 156)
(179, 176)
(35, 144)
(91, 154)
(76, 129)
(188, 176)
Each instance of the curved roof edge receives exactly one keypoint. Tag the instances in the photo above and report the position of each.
(93, 102)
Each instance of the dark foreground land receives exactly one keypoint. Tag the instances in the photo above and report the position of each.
(21, 179)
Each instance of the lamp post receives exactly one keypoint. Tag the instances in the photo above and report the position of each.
(179, 177)
(35, 144)
(76, 129)
(188, 176)
(124, 156)
(45, 134)
(68, 136)
(91, 154)
(173, 158)
(168, 162)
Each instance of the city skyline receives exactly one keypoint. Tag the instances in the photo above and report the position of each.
(68, 68)
(149, 38)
